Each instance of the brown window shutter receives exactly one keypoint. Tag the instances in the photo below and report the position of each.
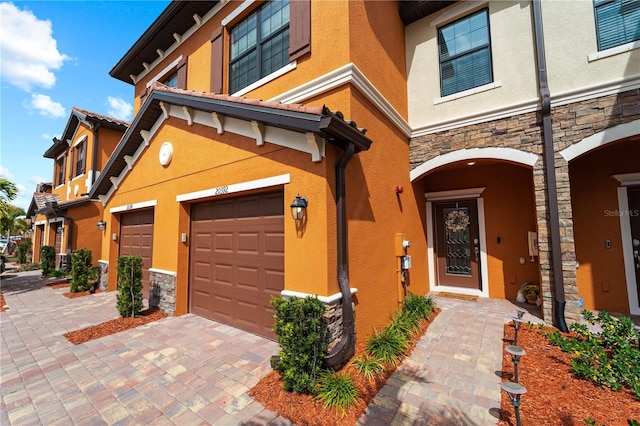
(182, 73)
(299, 28)
(217, 59)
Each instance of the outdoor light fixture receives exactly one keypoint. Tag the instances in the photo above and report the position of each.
(516, 352)
(515, 391)
(517, 322)
(520, 312)
(102, 225)
(299, 207)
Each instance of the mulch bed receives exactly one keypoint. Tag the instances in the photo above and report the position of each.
(554, 395)
(56, 286)
(305, 410)
(71, 295)
(3, 304)
(114, 326)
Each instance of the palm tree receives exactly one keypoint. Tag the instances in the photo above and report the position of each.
(8, 192)
(13, 218)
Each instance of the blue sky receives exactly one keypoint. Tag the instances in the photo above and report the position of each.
(55, 55)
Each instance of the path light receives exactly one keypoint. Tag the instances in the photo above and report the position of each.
(516, 352)
(517, 322)
(514, 390)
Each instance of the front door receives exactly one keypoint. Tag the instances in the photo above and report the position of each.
(634, 218)
(458, 244)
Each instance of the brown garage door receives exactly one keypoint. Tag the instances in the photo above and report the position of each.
(136, 237)
(237, 260)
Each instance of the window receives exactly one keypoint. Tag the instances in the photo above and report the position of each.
(172, 80)
(259, 44)
(59, 170)
(465, 53)
(617, 22)
(79, 155)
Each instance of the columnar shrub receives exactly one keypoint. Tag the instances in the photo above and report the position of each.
(21, 251)
(80, 269)
(301, 330)
(129, 285)
(47, 260)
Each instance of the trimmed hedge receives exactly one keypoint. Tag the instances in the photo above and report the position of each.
(129, 285)
(80, 270)
(47, 260)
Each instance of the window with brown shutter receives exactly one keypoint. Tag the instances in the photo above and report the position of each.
(217, 59)
(299, 28)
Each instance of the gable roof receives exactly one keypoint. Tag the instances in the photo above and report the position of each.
(177, 18)
(40, 200)
(75, 118)
(319, 121)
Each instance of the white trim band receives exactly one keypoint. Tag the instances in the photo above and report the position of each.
(235, 187)
(134, 206)
(162, 271)
(324, 299)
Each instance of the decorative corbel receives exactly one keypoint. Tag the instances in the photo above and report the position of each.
(197, 18)
(115, 181)
(160, 53)
(165, 110)
(129, 160)
(316, 146)
(178, 37)
(146, 135)
(258, 131)
(218, 121)
(189, 113)
(146, 66)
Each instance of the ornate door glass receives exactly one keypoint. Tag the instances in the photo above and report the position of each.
(457, 241)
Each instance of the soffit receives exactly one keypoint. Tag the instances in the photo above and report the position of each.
(412, 11)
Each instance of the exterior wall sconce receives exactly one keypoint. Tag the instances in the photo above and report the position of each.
(299, 207)
(102, 225)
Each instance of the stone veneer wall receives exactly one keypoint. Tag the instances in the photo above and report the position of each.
(571, 124)
(103, 279)
(333, 317)
(162, 292)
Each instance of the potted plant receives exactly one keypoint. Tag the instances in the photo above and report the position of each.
(531, 293)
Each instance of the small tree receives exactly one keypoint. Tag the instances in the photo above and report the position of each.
(80, 270)
(47, 260)
(21, 251)
(301, 330)
(129, 285)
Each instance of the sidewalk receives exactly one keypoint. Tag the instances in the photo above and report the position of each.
(190, 370)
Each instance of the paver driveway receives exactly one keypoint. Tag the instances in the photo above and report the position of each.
(185, 370)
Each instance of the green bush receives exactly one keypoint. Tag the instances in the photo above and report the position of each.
(22, 248)
(47, 260)
(369, 368)
(338, 391)
(387, 345)
(608, 358)
(80, 267)
(301, 330)
(29, 267)
(129, 285)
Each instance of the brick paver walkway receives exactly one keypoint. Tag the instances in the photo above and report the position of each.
(190, 370)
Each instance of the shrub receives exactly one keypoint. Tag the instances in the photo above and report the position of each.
(22, 249)
(129, 285)
(608, 358)
(387, 345)
(338, 391)
(47, 260)
(417, 306)
(301, 330)
(369, 368)
(29, 267)
(80, 267)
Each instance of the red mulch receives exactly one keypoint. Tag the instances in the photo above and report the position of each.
(3, 304)
(114, 326)
(554, 395)
(56, 286)
(71, 295)
(305, 410)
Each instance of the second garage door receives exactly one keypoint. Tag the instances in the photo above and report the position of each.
(237, 260)
(136, 237)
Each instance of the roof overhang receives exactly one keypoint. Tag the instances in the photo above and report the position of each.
(177, 18)
(221, 112)
(412, 10)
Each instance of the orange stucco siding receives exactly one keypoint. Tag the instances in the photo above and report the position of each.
(600, 275)
(509, 215)
(85, 231)
(108, 140)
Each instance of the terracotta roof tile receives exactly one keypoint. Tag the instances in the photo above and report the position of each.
(42, 198)
(101, 117)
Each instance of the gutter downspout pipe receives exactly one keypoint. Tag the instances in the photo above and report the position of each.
(94, 160)
(550, 172)
(345, 348)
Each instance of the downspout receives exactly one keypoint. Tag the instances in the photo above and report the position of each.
(346, 346)
(550, 172)
(96, 127)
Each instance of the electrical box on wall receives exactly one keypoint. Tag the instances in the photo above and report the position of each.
(406, 262)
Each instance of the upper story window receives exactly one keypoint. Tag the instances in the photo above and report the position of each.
(617, 22)
(79, 154)
(59, 171)
(465, 53)
(259, 44)
(172, 80)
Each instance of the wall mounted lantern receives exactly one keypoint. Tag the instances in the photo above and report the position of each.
(299, 207)
(102, 225)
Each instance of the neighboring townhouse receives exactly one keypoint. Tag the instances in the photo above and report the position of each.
(62, 214)
(248, 111)
(525, 116)
(221, 146)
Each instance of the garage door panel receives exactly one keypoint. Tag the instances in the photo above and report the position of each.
(136, 238)
(247, 237)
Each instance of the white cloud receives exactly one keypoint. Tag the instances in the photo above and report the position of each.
(119, 108)
(5, 173)
(28, 50)
(46, 106)
(38, 179)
